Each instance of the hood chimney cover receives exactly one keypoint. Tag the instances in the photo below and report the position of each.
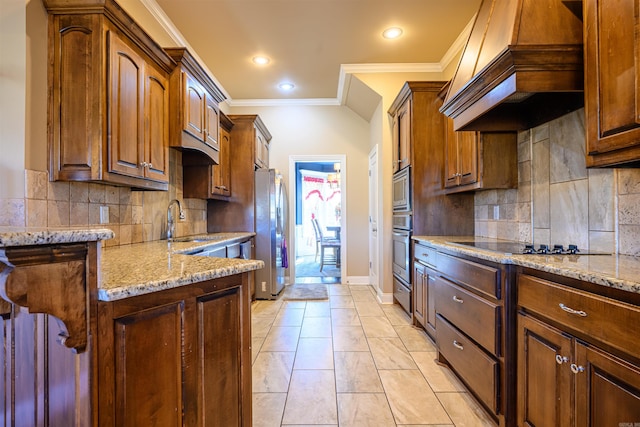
(521, 66)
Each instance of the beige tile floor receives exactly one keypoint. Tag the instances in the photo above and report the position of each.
(350, 361)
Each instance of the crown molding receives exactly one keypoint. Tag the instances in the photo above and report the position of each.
(178, 38)
(458, 44)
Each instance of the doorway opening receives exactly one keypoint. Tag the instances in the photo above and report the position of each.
(317, 219)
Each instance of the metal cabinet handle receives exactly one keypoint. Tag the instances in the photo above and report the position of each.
(572, 311)
(458, 300)
(561, 359)
(576, 369)
(457, 345)
(144, 164)
(424, 254)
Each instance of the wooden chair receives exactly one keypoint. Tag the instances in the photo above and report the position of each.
(331, 257)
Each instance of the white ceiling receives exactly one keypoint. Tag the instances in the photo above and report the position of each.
(311, 43)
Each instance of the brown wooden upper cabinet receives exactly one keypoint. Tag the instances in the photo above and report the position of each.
(262, 149)
(109, 98)
(401, 136)
(209, 181)
(612, 95)
(195, 115)
(479, 160)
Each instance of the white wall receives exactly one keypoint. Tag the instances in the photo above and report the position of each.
(387, 85)
(12, 103)
(325, 130)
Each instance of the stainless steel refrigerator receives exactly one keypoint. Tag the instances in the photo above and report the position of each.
(271, 233)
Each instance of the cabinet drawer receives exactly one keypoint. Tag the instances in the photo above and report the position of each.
(606, 320)
(478, 276)
(478, 370)
(425, 254)
(402, 294)
(475, 316)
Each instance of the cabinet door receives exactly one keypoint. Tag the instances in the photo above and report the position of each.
(451, 151)
(467, 157)
(612, 93)
(544, 376)
(430, 304)
(419, 294)
(146, 368)
(193, 120)
(219, 326)
(261, 150)
(607, 389)
(212, 123)
(221, 174)
(395, 141)
(126, 104)
(156, 125)
(404, 135)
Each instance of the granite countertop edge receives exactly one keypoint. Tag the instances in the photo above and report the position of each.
(619, 270)
(25, 236)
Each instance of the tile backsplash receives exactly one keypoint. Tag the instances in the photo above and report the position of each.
(134, 216)
(559, 200)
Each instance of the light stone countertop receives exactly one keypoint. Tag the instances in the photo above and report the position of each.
(22, 236)
(142, 268)
(615, 271)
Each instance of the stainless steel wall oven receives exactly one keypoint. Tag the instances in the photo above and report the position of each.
(401, 257)
(401, 190)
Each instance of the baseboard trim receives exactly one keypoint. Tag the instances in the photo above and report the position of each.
(357, 280)
(384, 298)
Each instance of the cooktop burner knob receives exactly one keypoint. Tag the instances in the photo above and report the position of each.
(573, 249)
(543, 249)
(528, 249)
(558, 249)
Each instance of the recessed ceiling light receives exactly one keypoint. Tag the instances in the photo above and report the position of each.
(260, 60)
(392, 33)
(286, 86)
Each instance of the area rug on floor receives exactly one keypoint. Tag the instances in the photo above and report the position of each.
(305, 291)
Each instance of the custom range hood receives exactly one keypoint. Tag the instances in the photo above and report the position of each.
(522, 66)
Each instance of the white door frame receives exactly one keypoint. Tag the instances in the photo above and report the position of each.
(374, 242)
(319, 158)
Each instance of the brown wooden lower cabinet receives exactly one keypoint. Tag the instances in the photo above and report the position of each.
(568, 375)
(179, 357)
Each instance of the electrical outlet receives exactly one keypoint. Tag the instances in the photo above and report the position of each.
(264, 286)
(104, 214)
(496, 212)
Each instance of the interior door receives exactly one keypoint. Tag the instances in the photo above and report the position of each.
(373, 217)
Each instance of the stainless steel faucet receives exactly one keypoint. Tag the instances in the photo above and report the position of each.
(171, 230)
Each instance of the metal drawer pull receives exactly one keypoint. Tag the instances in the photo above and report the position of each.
(576, 369)
(572, 311)
(561, 359)
(457, 345)
(458, 300)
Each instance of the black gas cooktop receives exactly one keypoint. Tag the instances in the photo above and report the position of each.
(517, 248)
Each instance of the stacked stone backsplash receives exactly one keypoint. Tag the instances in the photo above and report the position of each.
(134, 216)
(559, 200)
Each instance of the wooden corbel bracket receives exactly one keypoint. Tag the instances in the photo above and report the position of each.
(50, 280)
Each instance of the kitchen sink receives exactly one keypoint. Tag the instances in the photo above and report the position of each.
(197, 239)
